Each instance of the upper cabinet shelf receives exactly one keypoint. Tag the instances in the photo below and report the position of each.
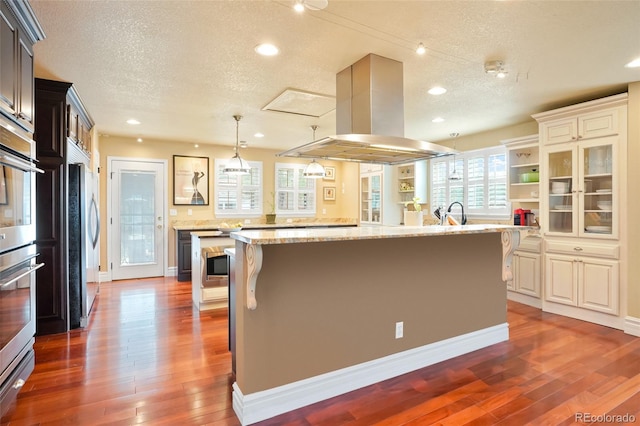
(524, 169)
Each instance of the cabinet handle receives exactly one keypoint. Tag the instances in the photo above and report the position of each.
(22, 116)
(573, 138)
(579, 136)
(577, 248)
(18, 384)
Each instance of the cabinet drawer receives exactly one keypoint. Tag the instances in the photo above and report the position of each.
(10, 388)
(530, 244)
(585, 249)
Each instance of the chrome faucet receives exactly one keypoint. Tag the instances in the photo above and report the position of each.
(463, 219)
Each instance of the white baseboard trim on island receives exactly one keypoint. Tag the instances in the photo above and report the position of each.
(263, 405)
(632, 326)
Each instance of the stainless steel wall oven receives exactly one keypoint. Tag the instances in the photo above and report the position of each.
(18, 265)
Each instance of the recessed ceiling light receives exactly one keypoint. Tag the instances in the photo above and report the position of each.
(437, 90)
(298, 6)
(266, 49)
(258, 135)
(196, 146)
(133, 121)
(421, 50)
(634, 64)
(437, 120)
(139, 140)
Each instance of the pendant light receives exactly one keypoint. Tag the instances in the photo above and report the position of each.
(454, 173)
(314, 170)
(237, 166)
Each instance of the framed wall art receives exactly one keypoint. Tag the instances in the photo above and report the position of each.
(190, 180)
(329, 193)
(329, 173)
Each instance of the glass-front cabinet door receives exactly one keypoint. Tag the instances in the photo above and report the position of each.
(371, 198)
(581, 198)
(561, 206)
(598, 188)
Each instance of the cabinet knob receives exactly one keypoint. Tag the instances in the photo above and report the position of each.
(577, 248)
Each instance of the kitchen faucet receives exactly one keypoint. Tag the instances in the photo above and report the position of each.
(463, 219)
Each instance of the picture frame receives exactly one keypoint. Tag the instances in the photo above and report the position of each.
(329, 193)
(329, 173)
(190, 180)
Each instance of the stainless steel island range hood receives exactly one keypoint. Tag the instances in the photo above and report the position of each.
(370, 119)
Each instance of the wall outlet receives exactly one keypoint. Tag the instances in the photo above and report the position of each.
(399, 329)
(189, 212)
(247, 221)
(173, 212)
(324, 211)
(289, 220)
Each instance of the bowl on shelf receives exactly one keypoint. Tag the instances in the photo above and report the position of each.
(559, 187)
(604, 205)
(530, 177)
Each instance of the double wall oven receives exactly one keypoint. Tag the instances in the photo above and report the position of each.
(18, 261)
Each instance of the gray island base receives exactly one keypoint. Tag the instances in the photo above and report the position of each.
(316, 311)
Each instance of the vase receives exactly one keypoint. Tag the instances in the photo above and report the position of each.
(412, 218)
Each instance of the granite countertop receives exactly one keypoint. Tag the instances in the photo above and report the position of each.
(301, 224)
(287, 236)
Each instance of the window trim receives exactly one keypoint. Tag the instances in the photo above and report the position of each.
(299, 168)
(257, 212)
(498, 214)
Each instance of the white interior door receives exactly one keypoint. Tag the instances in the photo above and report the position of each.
(137, 220)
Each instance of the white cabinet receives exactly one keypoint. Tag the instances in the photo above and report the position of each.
(526, 284)
(584, 126)
(378, 195)
(583, 189)
(582, 281)
(524, 170)
(371, 197)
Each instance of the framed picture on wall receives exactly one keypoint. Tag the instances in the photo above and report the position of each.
(329, 173)
(190, 180)
(329, 193)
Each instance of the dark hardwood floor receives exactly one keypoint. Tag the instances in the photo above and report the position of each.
(148, 357)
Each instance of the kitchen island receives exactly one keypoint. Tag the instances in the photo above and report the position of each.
(322, 312)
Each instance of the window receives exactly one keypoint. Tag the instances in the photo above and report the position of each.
(295, 194)
(482, 186)
(238, 195)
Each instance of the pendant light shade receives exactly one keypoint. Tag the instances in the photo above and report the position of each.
(454, 173)
(314, 170)
(237, 166)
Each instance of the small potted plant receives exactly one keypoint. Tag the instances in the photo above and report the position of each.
(271, 202)
(413, 217)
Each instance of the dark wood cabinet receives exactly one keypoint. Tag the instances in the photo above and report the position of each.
(183, 243)
(59, 233)
(16, 66)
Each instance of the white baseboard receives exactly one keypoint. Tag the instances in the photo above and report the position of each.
(106, 276)
(632, 326)
(524, 299)
(265, 404)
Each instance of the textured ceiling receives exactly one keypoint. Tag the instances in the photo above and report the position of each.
(184, 68)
